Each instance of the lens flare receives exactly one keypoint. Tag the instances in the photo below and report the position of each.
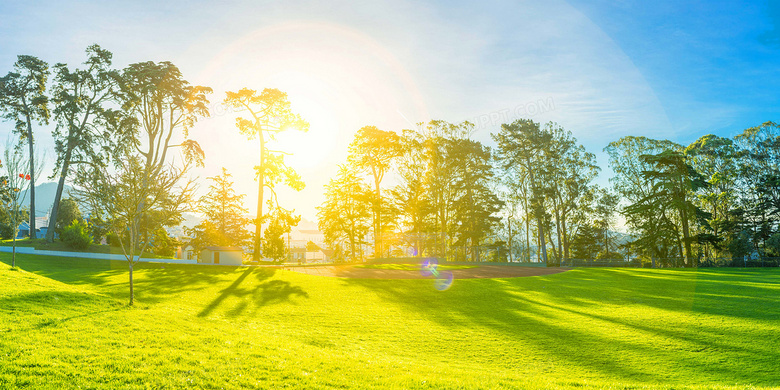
(443, 281)
(428, 267)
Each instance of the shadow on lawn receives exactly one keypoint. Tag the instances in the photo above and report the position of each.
(261, 292)
(547, 312)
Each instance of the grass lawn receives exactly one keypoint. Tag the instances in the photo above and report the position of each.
(64, 324)
(41, 244)
(412, 267)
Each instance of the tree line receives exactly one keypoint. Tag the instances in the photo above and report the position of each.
(533, 197)
(122, 141)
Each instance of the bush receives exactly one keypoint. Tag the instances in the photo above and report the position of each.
(76, 235)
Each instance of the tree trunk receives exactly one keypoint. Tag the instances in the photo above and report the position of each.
(132, 296)
(55, 208)
(32, 177)
(259, 222)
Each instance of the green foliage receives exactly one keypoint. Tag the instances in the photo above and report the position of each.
(270, 113)
(7, 220)
(225, 222)
(76, 235)
(68, 212)
(280, 221)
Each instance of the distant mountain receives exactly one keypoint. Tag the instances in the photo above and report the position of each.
(44, 197)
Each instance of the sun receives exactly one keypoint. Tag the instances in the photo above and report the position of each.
(336, 78)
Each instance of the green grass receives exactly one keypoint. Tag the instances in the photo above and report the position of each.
(41, 244)
(64, 324)
(412, 267)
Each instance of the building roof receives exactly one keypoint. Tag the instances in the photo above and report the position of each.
(224, 248)
(297, 250)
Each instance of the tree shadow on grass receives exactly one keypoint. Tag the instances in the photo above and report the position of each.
(260, 292)
(546, 312)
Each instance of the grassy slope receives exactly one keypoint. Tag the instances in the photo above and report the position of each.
(63, 324)
(41, 244)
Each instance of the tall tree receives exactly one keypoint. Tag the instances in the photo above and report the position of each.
(345, 216)
(524, 144)
(674, 182)
(411, 198)
(23, 100)
(374, 150)
(717, 158)
(269, 114)
(147, 190)
(657, 232)
(225, 216)
(476, 204)
(86, 132)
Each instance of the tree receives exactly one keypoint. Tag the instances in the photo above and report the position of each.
(525, 145)
(129, 196)
(225, 223)
(280, 222)
(411, 198)
(476, 204)
(69, 212)
(658, 235)
(716, 158)
(270, 114)
(147, 191)
(15, 186)
(674, 179)
(374, 150)
(23, 100)
(346, 214)
(86, 132)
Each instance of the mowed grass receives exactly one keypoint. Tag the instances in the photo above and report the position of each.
(64, 323)
(412, 267)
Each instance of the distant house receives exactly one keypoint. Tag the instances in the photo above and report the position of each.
(298, 254)
(186, 253)
(226, 255)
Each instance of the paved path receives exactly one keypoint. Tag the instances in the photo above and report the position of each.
(481, 271)
(88, 255)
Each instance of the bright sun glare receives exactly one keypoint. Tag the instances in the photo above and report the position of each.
(336, 78)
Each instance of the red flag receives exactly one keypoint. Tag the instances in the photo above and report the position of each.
(21, 175)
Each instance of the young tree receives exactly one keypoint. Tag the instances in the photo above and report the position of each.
(269, 114)
(225, 223)
(23, 100)
(15, 183)
(128, 197)
(374, 150)
(87, 132)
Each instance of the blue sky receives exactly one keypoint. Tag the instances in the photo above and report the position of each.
(602, 69)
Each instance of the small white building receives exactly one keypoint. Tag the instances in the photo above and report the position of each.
(225, 255)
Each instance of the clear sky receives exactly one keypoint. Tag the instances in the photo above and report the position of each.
(602, 69)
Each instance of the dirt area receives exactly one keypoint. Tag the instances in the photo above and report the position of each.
(482, 271)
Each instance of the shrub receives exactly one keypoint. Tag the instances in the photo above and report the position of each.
(76, 235)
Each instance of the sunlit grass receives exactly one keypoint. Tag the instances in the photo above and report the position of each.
(64, 324)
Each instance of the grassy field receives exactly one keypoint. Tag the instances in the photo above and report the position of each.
(41, 244)
(64, 324)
